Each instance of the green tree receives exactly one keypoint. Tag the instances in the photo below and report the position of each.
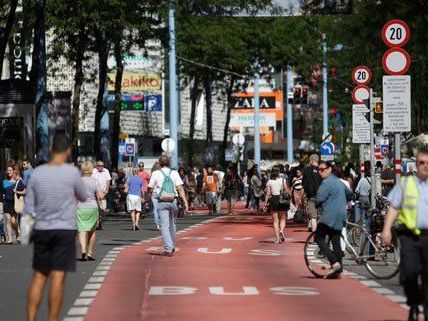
(7, 14)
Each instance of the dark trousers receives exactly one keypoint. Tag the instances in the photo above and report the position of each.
(414, 264)
(334, 236)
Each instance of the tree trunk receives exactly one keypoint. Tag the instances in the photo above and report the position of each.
(229, 93)
(194, 94)
(101, 130)
(78, 82)
(39, 57)
(6, 33)
(208, 99)
(118, 96)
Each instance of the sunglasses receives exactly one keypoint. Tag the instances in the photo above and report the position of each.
(322, 169)
(100, 165)
(422, 162)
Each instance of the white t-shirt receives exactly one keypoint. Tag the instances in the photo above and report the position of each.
(276, 185)
(103, 177)
(157, 179)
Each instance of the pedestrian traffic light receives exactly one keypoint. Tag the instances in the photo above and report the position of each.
(305, 95)
(297, 95)
(241, 152)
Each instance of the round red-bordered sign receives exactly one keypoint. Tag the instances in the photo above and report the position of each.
(396, 61)
(361, 75)
(395, 33)
(360, 93)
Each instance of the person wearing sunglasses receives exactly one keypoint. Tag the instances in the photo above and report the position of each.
(408, 213)
(332, 197)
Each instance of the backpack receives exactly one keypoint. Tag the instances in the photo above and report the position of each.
(167, 191)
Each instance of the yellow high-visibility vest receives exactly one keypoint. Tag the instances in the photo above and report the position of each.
(408, 215)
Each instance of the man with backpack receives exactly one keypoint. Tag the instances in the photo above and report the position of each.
(166, 185)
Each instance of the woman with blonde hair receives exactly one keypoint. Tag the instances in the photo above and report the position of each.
(88, 213)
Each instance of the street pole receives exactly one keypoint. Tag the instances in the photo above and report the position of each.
(173, 101)
(362, 165)
(325, 85)
(256, 118)
(372, 155)
(397, 161)
(289, 116)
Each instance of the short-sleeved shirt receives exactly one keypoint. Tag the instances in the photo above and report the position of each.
(52, 195)
(92, 186)
(395, 198)
(211, 182)
(103, 177)
(364, 187)
(387, 174)
(27, 175)
(157, 179)
(135, 184)
(145, 176)
(8, 187)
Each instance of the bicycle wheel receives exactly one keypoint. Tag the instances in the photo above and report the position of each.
(354, 237)
(315, 260)
(384, 262)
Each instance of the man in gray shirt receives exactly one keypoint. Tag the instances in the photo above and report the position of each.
(52, 196)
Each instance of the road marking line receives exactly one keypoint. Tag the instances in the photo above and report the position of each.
(73, 319)
(81, 301)
(100, 273)
(383, 291)
(92, 286)
(370, 283)
(78, 311)
(88, 294)
(96, 279)
(105, 268)
(396, 298)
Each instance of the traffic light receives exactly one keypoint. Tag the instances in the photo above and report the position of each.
(297, 95)
(305, 95)
(241, 152)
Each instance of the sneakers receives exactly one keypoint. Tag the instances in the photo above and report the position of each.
(168, 254)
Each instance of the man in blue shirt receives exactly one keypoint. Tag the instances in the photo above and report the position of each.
(135, 188)
(333, 197)
(28, 170)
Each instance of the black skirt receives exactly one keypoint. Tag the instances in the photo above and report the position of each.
(274, 204)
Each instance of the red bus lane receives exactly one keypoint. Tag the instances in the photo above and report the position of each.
(230, 269)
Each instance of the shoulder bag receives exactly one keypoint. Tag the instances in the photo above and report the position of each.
(19, 201)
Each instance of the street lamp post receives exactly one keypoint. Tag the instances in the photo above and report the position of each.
(173, 96)
(325, 85)
(289, 116)
(256, 115)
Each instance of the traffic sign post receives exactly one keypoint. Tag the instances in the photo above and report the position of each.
(168, 145)
(396, 87)
(360, 124)
(396, 61)
(361, 75)
(360, 94)
(395, 33)
(327, 151)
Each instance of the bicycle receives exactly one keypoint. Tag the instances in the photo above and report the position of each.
(381, 261)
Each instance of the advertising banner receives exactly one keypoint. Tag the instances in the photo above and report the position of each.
(132, 82)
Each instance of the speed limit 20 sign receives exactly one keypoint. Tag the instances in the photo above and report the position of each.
(361, 75)
(395, 33)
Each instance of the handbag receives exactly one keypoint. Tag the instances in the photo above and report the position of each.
(27, 227)
(19, 201)
(284, 197)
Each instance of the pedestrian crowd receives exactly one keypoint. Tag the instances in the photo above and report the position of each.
(63, 199)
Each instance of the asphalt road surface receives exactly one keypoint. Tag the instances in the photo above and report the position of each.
(15, 264)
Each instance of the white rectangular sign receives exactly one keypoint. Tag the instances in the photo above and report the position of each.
(360, 124)
(247, 120)
(396, 104)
